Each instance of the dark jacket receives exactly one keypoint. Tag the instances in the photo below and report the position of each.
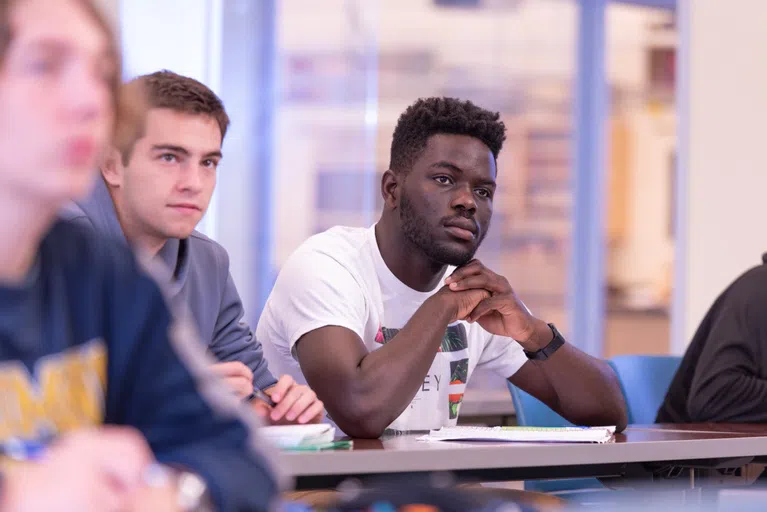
(89, 339)
(723, 376)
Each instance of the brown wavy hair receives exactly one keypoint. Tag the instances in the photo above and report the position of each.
(166, 89)
(129, 105)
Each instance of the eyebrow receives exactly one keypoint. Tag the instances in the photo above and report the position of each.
(182, 150)
(63, 47)
(444, 164)
(50, 44)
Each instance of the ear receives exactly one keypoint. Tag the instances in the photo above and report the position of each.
(112, 168)
(390, 188)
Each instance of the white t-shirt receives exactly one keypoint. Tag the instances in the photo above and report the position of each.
(338, 278)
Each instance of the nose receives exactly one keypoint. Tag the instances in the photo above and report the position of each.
(463, 199)
(190, 181)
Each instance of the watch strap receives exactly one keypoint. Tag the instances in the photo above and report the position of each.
(547, 351)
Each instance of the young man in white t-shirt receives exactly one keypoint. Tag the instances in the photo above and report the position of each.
(381, 324)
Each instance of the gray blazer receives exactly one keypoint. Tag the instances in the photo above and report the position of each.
(201, 279)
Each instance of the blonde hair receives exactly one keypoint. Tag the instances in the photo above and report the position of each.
(128, 103)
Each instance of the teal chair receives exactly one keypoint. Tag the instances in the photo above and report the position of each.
(644, 382)
(531, 412)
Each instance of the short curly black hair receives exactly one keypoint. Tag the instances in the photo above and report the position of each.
(430, 116)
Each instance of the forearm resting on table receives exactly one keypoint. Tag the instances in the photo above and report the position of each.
(587, 389)
(364, 392)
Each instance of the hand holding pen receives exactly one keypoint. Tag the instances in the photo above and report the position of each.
(288, 402)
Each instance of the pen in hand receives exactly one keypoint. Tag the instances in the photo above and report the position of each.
(257, 393)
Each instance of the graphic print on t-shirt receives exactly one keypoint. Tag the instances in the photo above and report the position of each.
(451, 356)
(455, 337)
(62, 392)
(459, 371)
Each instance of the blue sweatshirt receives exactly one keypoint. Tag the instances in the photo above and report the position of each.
(88, 339)
(201, 281)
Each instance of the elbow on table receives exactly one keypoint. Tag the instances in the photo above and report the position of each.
(619, 412)
(617, 408)
(612, 412)
(361, 422)
(361, 428)
(621, 418)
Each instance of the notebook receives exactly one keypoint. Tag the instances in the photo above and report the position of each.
(298, 436)
(523, 434)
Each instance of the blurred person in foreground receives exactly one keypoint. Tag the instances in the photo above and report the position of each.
(388, 323)
(152, 193)
(105, 402)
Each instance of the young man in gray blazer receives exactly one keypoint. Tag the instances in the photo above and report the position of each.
(152, 195)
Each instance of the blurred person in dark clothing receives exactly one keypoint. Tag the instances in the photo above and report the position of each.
(723, 375)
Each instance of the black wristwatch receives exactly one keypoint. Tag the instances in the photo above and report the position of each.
(546, 352)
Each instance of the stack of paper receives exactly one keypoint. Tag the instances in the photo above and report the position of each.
(524, 434)
(298, 436)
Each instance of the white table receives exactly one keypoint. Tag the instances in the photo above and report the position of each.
(524, 461)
